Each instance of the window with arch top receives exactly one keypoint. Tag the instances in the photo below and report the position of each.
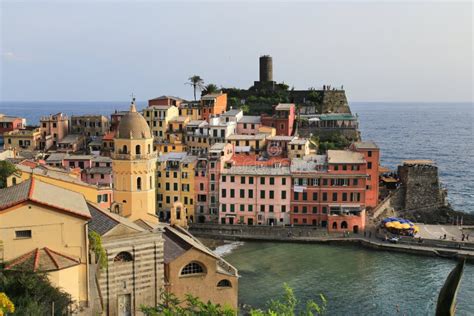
(123, 256)
(138, 150)
(224, 283)
(139, 183)
(193, 268)
(124, 149)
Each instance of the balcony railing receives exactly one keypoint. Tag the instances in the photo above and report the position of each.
(133, 156)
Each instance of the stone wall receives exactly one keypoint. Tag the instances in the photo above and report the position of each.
(420, 186)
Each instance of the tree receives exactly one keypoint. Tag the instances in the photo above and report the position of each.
(33, 294)
(6, 306)
(171, 305)
(289, 305)
(197, 83)
(210, 89)
(6, 170)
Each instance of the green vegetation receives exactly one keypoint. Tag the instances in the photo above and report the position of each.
(334, 141)
(447, 296)
(210, 88)
(192, 306)
(33, 294)
(95, 245)
(197, 83)
(6, 170)
(289, 305)
(6, 305)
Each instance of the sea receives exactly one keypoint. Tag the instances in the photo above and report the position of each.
(443, 132)
(354, 280)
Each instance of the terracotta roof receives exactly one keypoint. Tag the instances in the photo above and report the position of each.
(42, 260)
(45, 194)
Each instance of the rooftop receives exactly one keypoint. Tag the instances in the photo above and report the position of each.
(365, 145)
(165, 97)
(250, 119)
(211, 96)
(71, 138)
(276, 170)
(254, 160)
(337, 117)
(246, 137)
(103, 221)
(418, 162)
(309, 163)
(284, 106)
(46, 194)
(280, 138)
(42, 260)
(159, 107)
(298, 141)
(231, 112)
(344, 156)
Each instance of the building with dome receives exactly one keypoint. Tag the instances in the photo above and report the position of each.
(133, 168)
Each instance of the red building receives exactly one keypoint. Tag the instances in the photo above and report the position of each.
(372, 155)
(329, 191)
(282, 120)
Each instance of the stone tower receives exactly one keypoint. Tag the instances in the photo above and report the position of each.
(266, 68)
(133, 167)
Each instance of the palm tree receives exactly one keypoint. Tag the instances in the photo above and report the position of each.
(197, 82)
(210, 88)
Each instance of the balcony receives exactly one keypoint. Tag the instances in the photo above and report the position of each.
(120, 156)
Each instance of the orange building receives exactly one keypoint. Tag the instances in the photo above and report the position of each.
(213, 104)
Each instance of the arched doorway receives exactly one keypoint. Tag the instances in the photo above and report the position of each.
(344, 225)
(355, 229)
(334, 225)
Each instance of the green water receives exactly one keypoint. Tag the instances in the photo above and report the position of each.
(356, 281)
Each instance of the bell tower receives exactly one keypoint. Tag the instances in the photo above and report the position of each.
(134, 167)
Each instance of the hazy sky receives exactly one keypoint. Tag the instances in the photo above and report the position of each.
(107, 50)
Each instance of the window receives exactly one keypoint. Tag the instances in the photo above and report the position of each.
(315, 209)
(262, 208)
(334, 196)
(223, 193)
(232, 193)
(242, 207)
(242, 180)
(369, 165)
(283, 208)
(192, 268)
(123, 256)
(283, 195)
(305, 196)
(325, 196)
(295, 209)
(272, 180)
(250, 194)
(223, 178)
(369, 153)
(139, 183)
(232, 179)
(224, 283)
(356, 181)
(23, 233)
(315, 196)
(137, 150)
(283, 181)
(124, 149)
(262, 194)
(224, 207)
(272, 194)
(295, 196)
(344, 196)
(270, 208)
(242, 193)
(262, 180)
(250, 180)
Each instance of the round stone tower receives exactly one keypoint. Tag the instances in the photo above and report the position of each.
(133, 167)
(266, 68)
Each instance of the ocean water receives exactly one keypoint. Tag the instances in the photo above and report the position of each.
(355, 281)
(439, 131)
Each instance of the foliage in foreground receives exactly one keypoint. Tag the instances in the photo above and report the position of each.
(95, 245)
(6, 306)
(289, 305)
(192, 306)
(6, 170)
(33, 294)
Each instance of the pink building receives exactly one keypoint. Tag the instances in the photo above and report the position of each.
(255, 191)
(77, 161)
(11, 123)
(99, 172)
(207, 182)
(248, 125)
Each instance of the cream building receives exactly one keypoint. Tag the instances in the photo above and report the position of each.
(133, 168)
(44, 229)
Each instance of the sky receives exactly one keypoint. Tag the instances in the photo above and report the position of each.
(107, 50)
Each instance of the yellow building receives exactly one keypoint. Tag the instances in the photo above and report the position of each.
(158, 117)
(133, 168)
(191, 268)
(163, 147)
(22, 139)
(175, 179)
(44, 229)
(63, 179)
(298, 148)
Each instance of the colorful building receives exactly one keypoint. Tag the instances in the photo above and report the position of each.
(53, 129)
(255, 191)
(158, 118)
(175, 183)
(329, 190)
(282, 120)
(44, 229)
(133, 167)
(249, 125)
(372, 155)
(10, 123)
(166, 100)
(213, 105)
(23, 139)
(89, 125)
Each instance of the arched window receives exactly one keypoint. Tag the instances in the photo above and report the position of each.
(137, 150)
(139, 183)
(344, 224)
(334, 225)
(192, 268)
(123, 256)
(124, 149)
(224, 283)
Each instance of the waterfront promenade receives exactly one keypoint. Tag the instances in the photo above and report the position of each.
(371, 239)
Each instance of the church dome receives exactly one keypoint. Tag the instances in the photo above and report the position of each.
(133, 126)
